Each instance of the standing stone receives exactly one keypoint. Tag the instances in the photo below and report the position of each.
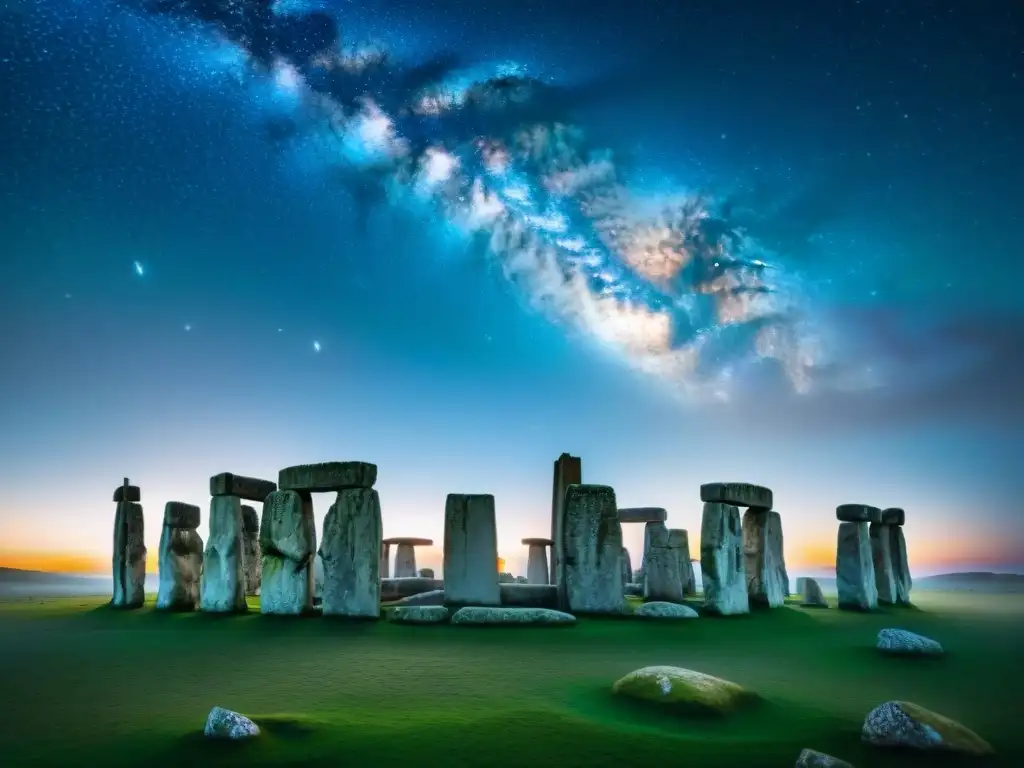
(662, 578)
(900, 564)
(627, 567)
(721, 559)
(470, 550)
(385, 560)
(222, 588)
(686, 575)
(811, 595)
(180, 558)
(855, 571)
(253, 558)
(537, 569)
(129, 560)
(590, 571)
(350, 551)
(881, 556)
(288, 543)
(568, 471)
(762, 547)
(405, 561)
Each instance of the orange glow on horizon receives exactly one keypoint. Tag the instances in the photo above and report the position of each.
(65, 562)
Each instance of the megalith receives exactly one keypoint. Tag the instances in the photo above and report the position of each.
(568, 471)
(537, 569)
(627, 567)
(405, 554)
(222, 587)
(350, 550)
(642, 515)
(590, 567)
(855, 570)
(895, 518)
(880, 535)
(762, 549)
(288, 544)
(681, 537)
(738, 494)
(385, 560)
(662, 577)
(252, 556)
(721, 559)
(129, 557)
(180, 558)
(470, 550)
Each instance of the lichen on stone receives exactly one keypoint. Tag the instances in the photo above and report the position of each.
(684, 689)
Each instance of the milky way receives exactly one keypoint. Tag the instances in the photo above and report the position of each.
(664, 282)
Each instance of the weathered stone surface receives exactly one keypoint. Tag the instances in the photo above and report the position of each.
(737, 494)
(627, 567)
(385, 560)
(253, 557)
(288, 543)
(681, 541)
(504, 577)
(900, 565)
(222, 587)
(224, 724)
(418, 614)
(855, 571)
(904, 643)
(762, 548)
(470, 550)
(893, 516)
(396, 589)
(811, 595)
(684, 689)
(405, 561)
(350, 550)
(910, 726)
(812, 759)
(425, 573)
(529, 595)
(129, 559)
(660, 610)
(433, 597)
(858, 513)
(642, 515)
(537, 568)
(590, 579)
(327, 476)
(633, 590)
(180, 559)
(662, 577)
(318, 579)
(568, 471)
(248, 488)
(721, 560)
(127, 493)
(881, 558)
(178, 514)
(481, 616)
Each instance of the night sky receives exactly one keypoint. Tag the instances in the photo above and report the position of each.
(687, 241)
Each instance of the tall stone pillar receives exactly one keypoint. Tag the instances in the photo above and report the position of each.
(385, 560)
(349, 549)
(180, 558)
(681, 541)
(855, 570)
(129, 557)
(251, 550)
(627, 567)
(470, 550)
(880, 534)
(721, 559)
(537, 570)
(765, 564)
(222, 587)
(895, 518)
(662, 577)
(590, 563)
(568, 471)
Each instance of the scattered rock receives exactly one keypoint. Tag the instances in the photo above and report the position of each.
(809, 758)
(224, 724)
(684, 689)
(737, 494)
(327, 476)
(418, 614)
(470, 550)
(660, 610)
(248, 488)
(721, 560)
(485, 615)
(903, 642)
(811, 595)
(903, 724)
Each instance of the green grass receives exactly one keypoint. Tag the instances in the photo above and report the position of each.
(82, 684)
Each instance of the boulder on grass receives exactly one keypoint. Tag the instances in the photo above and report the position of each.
(684, 690)
(418, 614)
(224, 724)
(909, 726)
(810, 758)
(486, 615)
(900, 642)
(661, 610)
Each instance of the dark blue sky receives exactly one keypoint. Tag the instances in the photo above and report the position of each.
(317, 293)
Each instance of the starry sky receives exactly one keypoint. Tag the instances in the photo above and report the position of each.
(687, 241)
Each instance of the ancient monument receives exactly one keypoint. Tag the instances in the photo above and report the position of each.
(662, 576)
(405, 555)
(855, 570)
(722, 560)
(129, 560)
(253, 558)
(349, 549)
(627, 567)
(470, 550)
(767, 581)
(180, 558)
(589, 564)
(643, 515)
(568, 471)
(680, 539)
(894, 518)
(537, 569)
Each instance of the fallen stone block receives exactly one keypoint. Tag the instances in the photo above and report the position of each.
(901, 642)
(684, 690)
(905, 725)
(418, 614)
(491, 616)
(659, 610)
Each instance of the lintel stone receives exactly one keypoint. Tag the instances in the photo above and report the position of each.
(127, 493)
(327, 476)
(894, 516)
(178, 514)
(642, 515)
(858, 513)
(248, 488)
(538, 542)
(411, 541)
(737, 494)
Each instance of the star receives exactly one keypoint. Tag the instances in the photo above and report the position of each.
(316, 346)
(139, 269)
(188, 326)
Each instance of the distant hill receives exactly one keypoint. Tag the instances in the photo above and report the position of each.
(978, 581)
(15, 582)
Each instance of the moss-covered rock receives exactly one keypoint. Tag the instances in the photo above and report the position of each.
(418, 614)
(481, 615)
(904, 724)
(685, 690)
(662, 610)
(810, 758)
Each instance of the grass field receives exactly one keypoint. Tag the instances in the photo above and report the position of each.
(81, 684)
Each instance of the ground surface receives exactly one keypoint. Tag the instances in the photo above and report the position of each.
(81, 684)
